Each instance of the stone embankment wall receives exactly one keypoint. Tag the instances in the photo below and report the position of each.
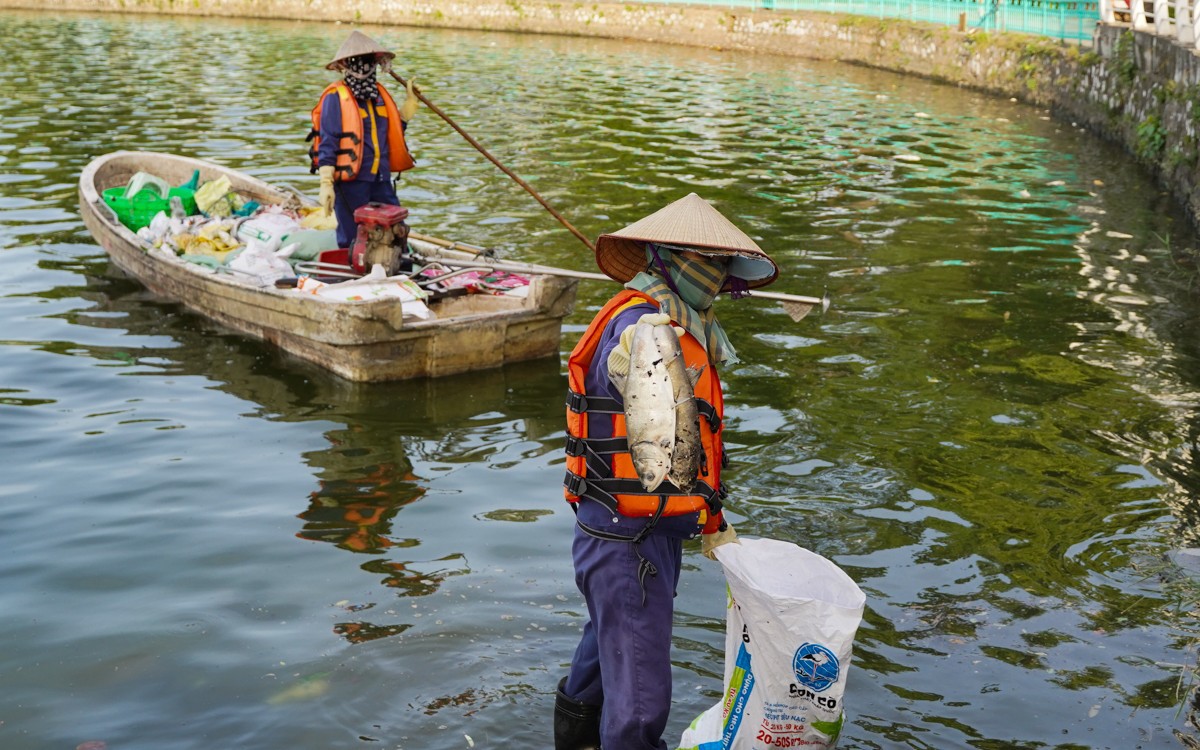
(1136, 89)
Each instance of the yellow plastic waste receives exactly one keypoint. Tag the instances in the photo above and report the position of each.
(216, 197)
(213, 239)
(315, 218)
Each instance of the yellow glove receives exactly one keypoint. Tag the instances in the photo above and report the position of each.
(326, 196)
(618, 358)
(709, 542)
(409, 107)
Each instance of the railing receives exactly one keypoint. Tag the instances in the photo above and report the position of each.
(1162, 17)
(1061, 19)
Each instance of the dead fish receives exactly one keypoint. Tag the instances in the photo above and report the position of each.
(649, 407)
(313, 686)
(686, 451)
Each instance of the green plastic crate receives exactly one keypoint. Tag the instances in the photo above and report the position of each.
(138, 211)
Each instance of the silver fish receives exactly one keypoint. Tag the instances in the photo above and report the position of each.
(685, 456)
(649, 407)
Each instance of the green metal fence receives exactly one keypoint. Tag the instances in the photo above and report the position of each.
(1061, 19)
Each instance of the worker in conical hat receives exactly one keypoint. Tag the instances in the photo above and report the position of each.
(628, 544)
(358, 134)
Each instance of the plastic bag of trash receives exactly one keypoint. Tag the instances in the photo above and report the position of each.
(269, 227)
(216, 198)
(260, 264)
(146, 181)
(790, 626)
(375, 285)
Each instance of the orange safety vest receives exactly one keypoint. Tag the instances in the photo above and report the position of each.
(350, 140)
(602, 469)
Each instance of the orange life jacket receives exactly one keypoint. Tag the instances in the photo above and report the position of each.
(350, 141)
(602, 468)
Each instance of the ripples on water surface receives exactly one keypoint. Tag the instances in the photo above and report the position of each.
(209, 545)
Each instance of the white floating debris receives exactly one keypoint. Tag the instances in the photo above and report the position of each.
(1122, 299)
(1003, 119)
(1023, 194)
(1056, 183)
(906, 157)
(920, 114)
(470, 742)
(1118, 235)
(1013, 99)
(881, 96)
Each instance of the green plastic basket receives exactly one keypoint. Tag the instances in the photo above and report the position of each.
(140, 210)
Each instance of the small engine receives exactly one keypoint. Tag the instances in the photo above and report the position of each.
(382, 239)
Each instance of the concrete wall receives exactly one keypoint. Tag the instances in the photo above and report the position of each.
(1136, 89)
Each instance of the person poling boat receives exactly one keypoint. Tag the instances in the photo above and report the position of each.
(357, 134)
(628, 390)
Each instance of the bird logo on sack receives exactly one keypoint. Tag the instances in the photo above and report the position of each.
(815, 666)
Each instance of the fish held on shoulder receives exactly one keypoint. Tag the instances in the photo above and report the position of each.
(661, 418)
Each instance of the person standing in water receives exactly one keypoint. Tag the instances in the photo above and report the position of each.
(628, 544)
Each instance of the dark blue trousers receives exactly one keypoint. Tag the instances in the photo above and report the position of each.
(348, 197)
(623, 661)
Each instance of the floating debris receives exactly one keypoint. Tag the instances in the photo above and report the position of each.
(308, 688)
(518, 516)
(1118, 235)
(906, 157)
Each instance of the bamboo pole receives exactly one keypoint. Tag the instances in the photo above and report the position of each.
(796, 305)
(479, 147)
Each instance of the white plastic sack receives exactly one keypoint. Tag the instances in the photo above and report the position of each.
(259, 263)
(375, 285)
(268, 227)
(790, 627)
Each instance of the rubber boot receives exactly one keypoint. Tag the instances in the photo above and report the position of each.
(576, 725)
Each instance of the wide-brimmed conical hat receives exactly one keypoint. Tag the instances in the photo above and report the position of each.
(357, 44)
(692, 223)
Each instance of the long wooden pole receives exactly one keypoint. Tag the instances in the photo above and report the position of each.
(479, 147)
(483, 260)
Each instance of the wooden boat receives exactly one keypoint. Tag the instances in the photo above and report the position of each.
(359, 340)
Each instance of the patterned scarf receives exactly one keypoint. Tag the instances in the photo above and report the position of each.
(685, 290)
(359, 74)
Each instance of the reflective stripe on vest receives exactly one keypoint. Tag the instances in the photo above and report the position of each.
(349, 150)
(602, 469)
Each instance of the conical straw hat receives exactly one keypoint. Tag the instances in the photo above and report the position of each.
(357, 44)
(693, 222)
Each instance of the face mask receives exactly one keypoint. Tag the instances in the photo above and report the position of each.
(360, 76)
(697, 281)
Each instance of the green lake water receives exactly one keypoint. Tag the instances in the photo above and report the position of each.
(207, 544)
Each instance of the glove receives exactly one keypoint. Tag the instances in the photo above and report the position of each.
(326, 196)
(409, 107)
(618, 358)
(709, 542)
